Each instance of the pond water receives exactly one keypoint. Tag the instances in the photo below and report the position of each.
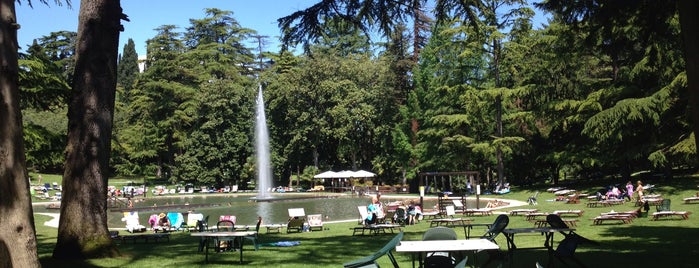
(246, 209)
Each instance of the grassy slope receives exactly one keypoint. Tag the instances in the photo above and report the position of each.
(644, 243)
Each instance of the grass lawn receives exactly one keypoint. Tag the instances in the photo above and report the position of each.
(643, 243)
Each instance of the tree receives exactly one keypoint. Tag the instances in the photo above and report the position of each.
(17, 233)
(43, 98)
(640, 44)
(690, 24)
(127, 71)
(82, 230)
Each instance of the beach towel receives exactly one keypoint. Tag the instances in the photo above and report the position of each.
(282, 244)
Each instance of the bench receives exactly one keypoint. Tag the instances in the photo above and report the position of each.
(689, 200)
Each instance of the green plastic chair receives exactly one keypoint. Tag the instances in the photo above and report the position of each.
(664, 205)
(370, 261)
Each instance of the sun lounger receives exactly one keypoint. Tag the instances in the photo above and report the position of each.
(143, 237)
(478, 211)
(450, 220)
(430, 214)
(682, 215)
(132, 222)
(535, 215)
(576, 212)
(624, 219)
(543, 223)
(516, 212)
(315, 222)
(375, 229)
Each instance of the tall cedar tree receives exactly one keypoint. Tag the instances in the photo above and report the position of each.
(127, 68)
(82, 230)
(18, 246)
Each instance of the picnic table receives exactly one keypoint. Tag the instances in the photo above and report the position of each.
(238, 236)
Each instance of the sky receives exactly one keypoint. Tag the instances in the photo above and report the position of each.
(146, 15)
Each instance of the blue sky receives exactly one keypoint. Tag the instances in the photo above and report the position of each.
(146, 15)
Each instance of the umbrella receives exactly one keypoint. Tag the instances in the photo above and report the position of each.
(327, 175)
(363, 174)
(346, 174)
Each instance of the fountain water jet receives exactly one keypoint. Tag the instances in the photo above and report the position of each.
(264, 169)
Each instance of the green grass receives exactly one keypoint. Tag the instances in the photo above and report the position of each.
(644, 243)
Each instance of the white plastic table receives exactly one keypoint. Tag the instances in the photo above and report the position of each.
(467, 246)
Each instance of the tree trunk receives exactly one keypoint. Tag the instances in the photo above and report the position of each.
(82, 231)
(690, 25)
(17, 234)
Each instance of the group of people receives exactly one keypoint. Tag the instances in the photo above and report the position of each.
(377, 212)
(160, 222)
(614, 192)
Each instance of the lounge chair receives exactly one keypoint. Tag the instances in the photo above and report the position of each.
(230, 218)
(315, 222)
(363, 214)
(176, 220)
(447, 221)
(566, 248)
(682, 215)
(370, 261)
(297, 218)
(132, 223)
(192, 220)
(458, 206)
(689, 200)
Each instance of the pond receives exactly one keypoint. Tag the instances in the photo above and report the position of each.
(333, 207)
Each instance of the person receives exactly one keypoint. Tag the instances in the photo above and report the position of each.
(412, 212)
(372, 210)
(39, 179)
(493, 204)
(163, 222)
(613, 193)
(130, 202)
(380, 212)
(639, 190)
(629, 190)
